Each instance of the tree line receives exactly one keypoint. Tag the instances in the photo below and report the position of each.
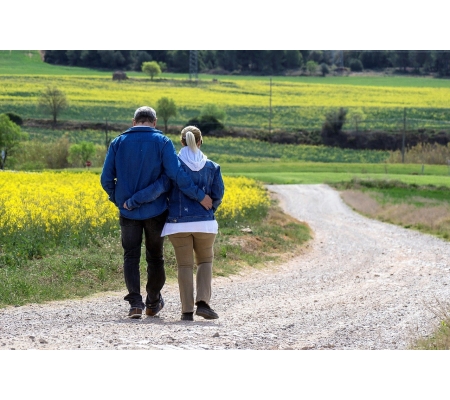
(262, 62)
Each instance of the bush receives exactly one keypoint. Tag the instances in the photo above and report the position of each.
(356, 65)
(37, 154)
(81, 153)
(16, 118)
(206, 123)
(332, 127)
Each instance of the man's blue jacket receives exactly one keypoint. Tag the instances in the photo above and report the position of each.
(136, 159)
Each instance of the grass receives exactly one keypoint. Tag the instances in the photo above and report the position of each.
(29, 62)
(440, 339)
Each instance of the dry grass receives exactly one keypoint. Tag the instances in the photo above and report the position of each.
(440, 339)
(432, 218)
(265, 246)
(423, 154)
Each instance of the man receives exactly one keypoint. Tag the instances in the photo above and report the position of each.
(135, 160)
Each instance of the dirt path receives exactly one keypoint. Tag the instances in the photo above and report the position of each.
(361, 284)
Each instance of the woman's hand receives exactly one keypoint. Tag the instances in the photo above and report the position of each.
(206, 202)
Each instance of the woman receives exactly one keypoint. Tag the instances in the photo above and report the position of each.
(192, 229)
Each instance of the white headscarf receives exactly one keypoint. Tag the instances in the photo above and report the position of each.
(195, 161)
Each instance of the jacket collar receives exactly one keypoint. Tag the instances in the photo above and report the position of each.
(141, 129)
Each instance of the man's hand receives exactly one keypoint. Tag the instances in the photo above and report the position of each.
(125, 206)
(207, 202)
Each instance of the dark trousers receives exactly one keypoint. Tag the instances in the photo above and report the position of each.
(131, 231)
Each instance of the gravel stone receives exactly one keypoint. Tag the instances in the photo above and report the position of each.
(358, 284)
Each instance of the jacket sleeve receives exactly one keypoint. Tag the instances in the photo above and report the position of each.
(217, 189)
(108, 175)
(174, 170)
(150, 193)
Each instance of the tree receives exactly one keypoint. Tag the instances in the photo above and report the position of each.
(356, 65)
(162, 65)
(441, 62)
(311, 66)
(324, 69)
(10, 137)
(316, 56)
(53, 101)
(400, 59)
(293, 59)
(151, 68)
(332, 127)
(166, 108)
(81, 152)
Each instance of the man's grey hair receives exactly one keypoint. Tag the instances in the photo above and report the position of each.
(145, 113)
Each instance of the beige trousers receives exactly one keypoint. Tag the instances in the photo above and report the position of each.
(185, 246)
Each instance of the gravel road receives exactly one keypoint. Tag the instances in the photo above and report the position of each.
(359, 284)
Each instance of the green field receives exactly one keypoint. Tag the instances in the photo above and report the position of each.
(297, 102)
(313, 173)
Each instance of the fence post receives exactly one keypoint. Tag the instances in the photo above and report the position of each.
(270, 107)
(404, 134)
(106, 134)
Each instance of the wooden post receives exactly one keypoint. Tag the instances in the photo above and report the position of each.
(106, 135)
(270, 107)
(404, 134)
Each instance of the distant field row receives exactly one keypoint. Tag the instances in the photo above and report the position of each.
(297, 103)
(237, 150)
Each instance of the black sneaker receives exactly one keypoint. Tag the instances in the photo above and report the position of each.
(205, 311)
(154, 308)
(135, 313)
(187, 316)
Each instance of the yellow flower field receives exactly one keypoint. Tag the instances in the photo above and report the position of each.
(101, 91)
(56, 202)
(296, 104)
(241, 196)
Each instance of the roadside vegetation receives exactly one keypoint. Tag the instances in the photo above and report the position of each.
(425, 208)
(59, 235)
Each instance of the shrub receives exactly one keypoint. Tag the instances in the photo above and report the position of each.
(206, 123)
(16, 118)
(311, 66)
(40, 155)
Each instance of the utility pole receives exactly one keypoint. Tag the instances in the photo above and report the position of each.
(193, 64)
(404, 134)
(270, 107)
